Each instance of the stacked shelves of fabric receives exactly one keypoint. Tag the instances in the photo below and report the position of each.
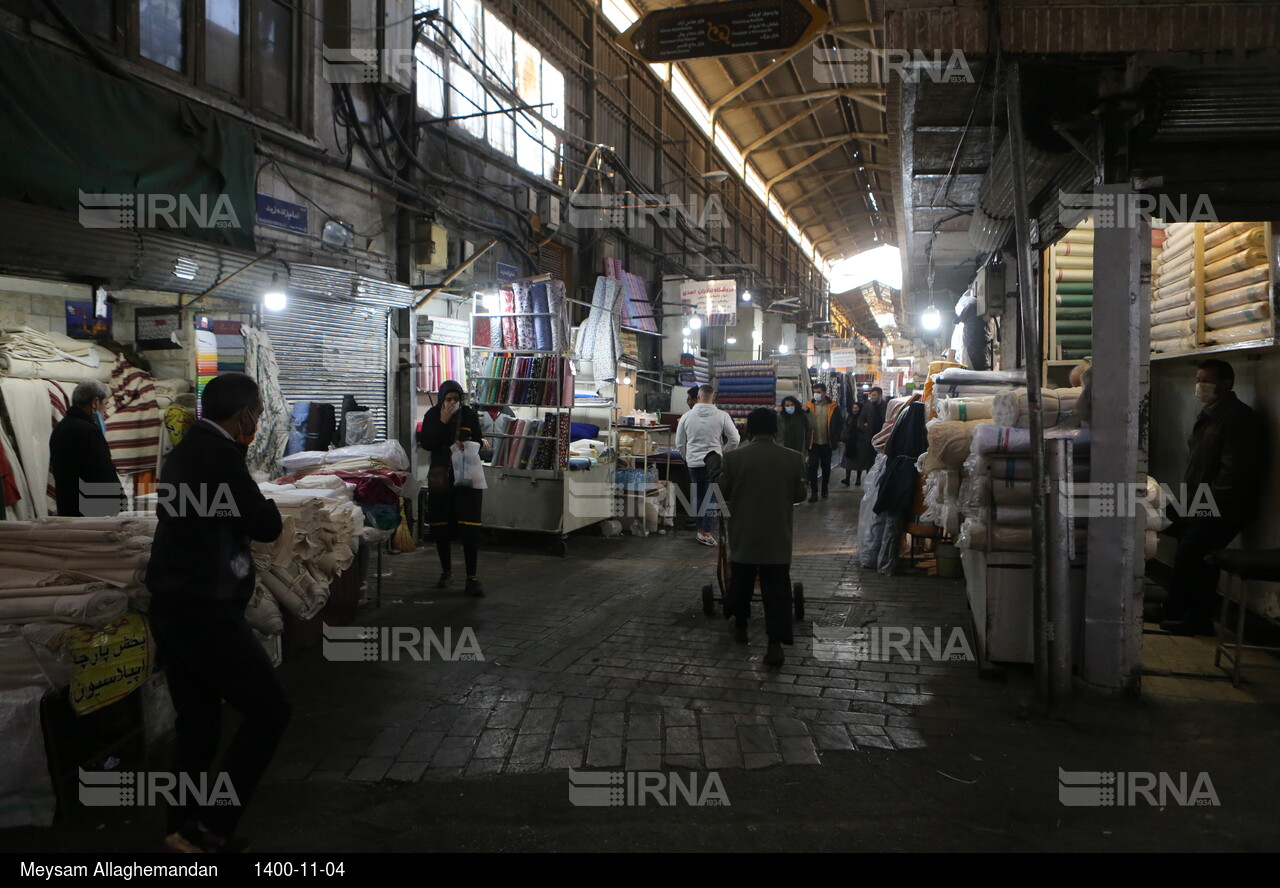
(793, 379)
(1236, 281)
(635, 308)
(1173, 296)
(742, 386)
(1069, 273)
(694, 370)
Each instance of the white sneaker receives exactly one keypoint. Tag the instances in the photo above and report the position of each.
(706, 539)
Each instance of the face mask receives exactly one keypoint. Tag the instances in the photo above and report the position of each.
(1205, 392)
(102, 423)
(790, 408)
(246, 438)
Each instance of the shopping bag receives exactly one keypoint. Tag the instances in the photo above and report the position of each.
(468, 471)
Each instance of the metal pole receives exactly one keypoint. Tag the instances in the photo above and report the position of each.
(449, 278)
(1061, 543)
(1029, 308)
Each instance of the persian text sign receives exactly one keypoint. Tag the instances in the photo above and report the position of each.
(716, 302)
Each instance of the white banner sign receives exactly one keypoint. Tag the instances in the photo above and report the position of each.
(716, 302)
(844, 358)
(445, 331)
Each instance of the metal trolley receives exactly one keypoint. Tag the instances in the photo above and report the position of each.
(724, 577)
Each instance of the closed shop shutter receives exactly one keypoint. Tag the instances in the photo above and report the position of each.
(330, 349)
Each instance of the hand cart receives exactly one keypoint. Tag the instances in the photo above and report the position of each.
(724, 577)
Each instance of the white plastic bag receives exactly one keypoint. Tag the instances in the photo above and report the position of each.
(361, 429)
(468, 471)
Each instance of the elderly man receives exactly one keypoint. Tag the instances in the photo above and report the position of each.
(1226, 461)
(760, 482)
(84, 477)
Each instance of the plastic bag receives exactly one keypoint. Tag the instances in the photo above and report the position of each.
(361, 429)
(468, 471)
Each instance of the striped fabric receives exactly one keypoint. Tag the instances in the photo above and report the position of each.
(134, 419)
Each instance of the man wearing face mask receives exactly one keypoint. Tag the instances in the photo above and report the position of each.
(826, 424)
(1225, 461)
(201, 577)
(84, 477)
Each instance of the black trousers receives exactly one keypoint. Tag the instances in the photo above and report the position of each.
(775, 589)
(1195, 581)
(455, 513)
(819, 458)
(210, 655)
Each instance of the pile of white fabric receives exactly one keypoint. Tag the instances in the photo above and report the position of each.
(1010, 408)
(318, 543)
(942, 500)
(30, 354)
(105, 560)
(385, 455)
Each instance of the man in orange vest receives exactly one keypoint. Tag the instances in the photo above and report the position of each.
(826, 424)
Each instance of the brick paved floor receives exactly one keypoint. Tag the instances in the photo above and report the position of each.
(604, 659)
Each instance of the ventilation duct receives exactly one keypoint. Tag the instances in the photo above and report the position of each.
(992, 222)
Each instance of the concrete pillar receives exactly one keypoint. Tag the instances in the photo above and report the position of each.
(1121, 375)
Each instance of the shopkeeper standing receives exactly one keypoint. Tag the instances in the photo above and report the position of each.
(84, 477)
(201, 577)
(452, 511)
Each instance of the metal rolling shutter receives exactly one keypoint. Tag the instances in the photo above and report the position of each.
(329, 349)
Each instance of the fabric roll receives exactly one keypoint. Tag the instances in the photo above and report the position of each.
(1074, 289)
(1242, 333)
(31, 415)
(1169, 315)
(1074, 300)
(1075, 341)
(1078, 236)
(1235, 262)
(98, 608)
(963, 409)
(1234, 317)
(1062, 325)
(1074, 354)
(1176, 301)
(1068, 261)
(1226, 232)
(1074, 275)
(1006, 513)
(1180, 267)
(1066, 248)
(1255, 238)
(1239, 296)
(525, 336)
(542, 318)
(1173, 330)
(1254, 275)
(1170, 346)
(949, 444)
(1074, 314)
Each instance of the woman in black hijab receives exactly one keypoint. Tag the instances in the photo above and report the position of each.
(452, 511)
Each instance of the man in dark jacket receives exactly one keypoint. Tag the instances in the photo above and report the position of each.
(1226, 462)
(84, 477)
(870, 421)
(761, 482)
(201, 577)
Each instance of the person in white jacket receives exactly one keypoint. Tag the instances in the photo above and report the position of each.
(704, 429)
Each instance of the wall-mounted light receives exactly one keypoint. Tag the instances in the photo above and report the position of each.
(275, 299)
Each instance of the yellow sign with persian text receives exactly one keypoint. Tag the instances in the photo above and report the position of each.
(109, 662)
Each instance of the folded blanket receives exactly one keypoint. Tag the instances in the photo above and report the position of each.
(98, 608)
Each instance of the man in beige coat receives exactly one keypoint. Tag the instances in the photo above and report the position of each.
(760, 482)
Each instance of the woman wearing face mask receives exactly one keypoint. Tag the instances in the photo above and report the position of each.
(849, 462)
(452, 511)
(793, 428)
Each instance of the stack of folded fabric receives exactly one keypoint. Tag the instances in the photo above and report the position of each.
(230, 342)
(636, 310)
(1173, 303)
(957, 382)
(110, 553)
(744, 386)
(317, 544)
(1010, 408)
(694, 370)
(26, 353)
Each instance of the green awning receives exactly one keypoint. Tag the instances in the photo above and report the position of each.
(73, 137)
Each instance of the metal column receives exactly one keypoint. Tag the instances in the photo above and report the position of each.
(1121, 362)
(1029, 308)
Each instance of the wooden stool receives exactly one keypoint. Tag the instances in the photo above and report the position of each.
(1241, 565)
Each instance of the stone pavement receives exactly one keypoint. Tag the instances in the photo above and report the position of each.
(604, 659)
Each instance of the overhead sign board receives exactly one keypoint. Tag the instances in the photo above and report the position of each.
(708, 30)
(844, 358)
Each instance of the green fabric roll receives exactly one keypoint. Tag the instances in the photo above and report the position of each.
(1076, 341)
(1073, 354)
(1077, 301)
(1065, 288)
(1073, 327)
(1074, 314)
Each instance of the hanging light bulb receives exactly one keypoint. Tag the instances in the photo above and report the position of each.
(746, 295)
(686, 332)
(626, 379)
(695, 323)
(782, 349)
(732, 340)
(826, 365)
(275, 299)
(931, 319)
